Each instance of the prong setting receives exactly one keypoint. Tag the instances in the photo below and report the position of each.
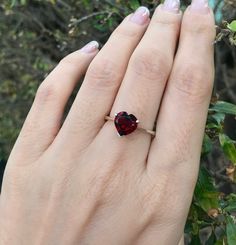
(119, 135)
(126, 124)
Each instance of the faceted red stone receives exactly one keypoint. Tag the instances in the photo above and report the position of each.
(125, 123)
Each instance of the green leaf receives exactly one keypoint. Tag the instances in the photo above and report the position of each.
(195, 240)
(219, 117)
(205, 182)
(220, 242)
(231, 230)
(188, 227)
(231, 203)
(212, 126)
(207, 145)
(23, 2)
(212, 239)
(228, 146)
(232, 26)
(13, 3)
(206, 195)
(17, 2)
(134, 4)
(224, 107)
(208, 200)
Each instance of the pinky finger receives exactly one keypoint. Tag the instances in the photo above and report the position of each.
(44, 119)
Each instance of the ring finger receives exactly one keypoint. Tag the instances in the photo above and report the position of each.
(148, 70)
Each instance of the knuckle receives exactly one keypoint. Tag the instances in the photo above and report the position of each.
(70, 59)
(201, 26)
(151, 65)
(97, 187)
(126, 31)
(113, 189)
(162, 19)
(46, 92)
(170, 22)
(148, 198)
(102, 73)
(106, 182)
(161, 201)
(194, 82)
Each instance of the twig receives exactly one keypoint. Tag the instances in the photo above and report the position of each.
(76, 22)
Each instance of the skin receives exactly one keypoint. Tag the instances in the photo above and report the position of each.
(79, 183)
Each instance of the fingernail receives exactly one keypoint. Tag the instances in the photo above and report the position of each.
(171, 6)
(200, 6)
(90, 47)
(140, 16)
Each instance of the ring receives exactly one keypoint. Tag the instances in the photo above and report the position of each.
(127, 123)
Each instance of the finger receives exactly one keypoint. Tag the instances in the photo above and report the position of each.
(141, 90)
(44, 118)
(181, 242)
(182, 117)
(183, 113)
(147, 73)
(102, 81)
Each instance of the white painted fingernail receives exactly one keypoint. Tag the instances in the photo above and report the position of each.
(200, 6)
(140, 16)
(90, 47)
(171, 6)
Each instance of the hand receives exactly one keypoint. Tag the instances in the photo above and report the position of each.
(79, 183)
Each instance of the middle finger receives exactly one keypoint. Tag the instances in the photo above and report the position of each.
(149, 67)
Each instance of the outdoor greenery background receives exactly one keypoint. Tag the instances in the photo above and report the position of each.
(36, 34)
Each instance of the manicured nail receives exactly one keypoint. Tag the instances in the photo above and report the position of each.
(171, 6)
(200, 6)
(140, 16)
(90, 47)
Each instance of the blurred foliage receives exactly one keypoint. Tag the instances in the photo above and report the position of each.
(36, 34)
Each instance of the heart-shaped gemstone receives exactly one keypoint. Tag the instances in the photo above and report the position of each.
(125, 123)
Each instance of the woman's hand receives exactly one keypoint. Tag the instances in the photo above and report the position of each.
(80, 183)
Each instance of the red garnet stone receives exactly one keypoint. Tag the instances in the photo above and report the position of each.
(125, 123)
